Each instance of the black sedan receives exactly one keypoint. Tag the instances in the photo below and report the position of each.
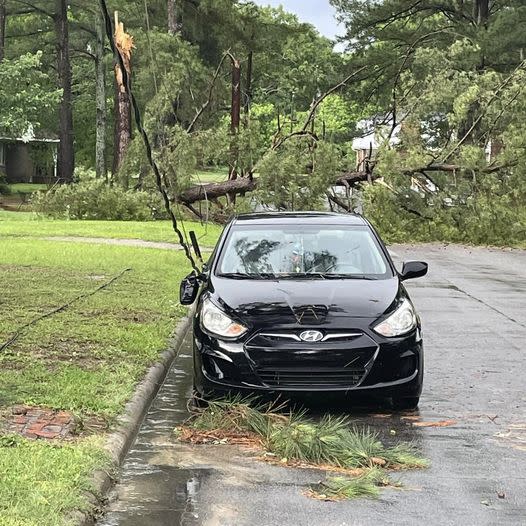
(303, 302)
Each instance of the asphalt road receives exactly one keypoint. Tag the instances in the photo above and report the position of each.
(473, 306)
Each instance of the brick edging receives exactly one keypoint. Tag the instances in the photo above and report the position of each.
(119, 441)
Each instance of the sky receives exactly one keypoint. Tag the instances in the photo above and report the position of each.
(319, 13)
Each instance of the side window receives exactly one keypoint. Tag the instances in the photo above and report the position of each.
(2, 154)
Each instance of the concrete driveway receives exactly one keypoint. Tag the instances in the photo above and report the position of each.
(473, 306)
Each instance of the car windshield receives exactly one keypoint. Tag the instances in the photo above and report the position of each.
(302, 252)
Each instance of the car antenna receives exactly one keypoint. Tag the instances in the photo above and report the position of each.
(195, 245)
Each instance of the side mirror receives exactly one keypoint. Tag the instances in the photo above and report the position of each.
(189, 289)
(413, 269)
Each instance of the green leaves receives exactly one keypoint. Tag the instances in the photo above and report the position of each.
(26, 98)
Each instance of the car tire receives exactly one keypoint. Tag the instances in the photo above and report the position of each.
(406, 403)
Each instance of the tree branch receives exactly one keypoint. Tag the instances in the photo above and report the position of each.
(496, 93)
(210, 93)
(316, 103)
(33, 8)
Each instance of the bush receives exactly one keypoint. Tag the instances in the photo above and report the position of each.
(4, 187)
(485, 218)
(94, 199)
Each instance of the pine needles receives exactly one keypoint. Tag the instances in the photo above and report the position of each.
(291, 436)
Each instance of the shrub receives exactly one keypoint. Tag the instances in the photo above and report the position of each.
(94, 199)
(4, 187)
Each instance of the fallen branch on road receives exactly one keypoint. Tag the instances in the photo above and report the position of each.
(293, 440)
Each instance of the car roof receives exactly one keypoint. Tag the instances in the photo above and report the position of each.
(315, 218)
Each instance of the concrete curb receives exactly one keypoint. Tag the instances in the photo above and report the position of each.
(119, 441)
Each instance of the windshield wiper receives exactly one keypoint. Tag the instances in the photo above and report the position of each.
(347, 276)
(324, 275)
(240, 275)
(300, 275)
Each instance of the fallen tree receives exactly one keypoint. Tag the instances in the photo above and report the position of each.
(241, 186)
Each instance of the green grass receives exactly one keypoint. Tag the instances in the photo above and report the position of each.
(211, 175)
(330, 441)
(86, 359)
(41, 483)
(112, 335)
(27, 224)
(26, 188)
(6, 215)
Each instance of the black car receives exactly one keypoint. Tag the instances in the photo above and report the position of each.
(305, 302)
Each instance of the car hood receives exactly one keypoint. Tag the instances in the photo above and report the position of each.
(306, 301)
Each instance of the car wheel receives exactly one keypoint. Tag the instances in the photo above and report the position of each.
(406, 403)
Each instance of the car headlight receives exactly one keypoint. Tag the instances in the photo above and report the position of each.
(214, 320)
(401, 321)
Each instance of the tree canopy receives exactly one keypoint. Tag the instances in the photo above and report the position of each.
(434, 89)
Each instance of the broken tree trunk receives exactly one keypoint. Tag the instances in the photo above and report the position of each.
(235, 111)
(235, 119)
(244, 185)
(66, 153)
(124, 44)
(214, 190)
(100, 74)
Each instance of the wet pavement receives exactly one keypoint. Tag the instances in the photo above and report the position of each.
(473, 306)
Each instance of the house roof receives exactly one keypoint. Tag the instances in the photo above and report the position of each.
(31, 136)
(28, 141)
(374, 134)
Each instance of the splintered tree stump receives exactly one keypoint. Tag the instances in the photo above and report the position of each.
(124, 44)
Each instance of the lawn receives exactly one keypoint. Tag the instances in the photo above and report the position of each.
(86, 359)
(26, 188)
(28, 224)
(211, 175)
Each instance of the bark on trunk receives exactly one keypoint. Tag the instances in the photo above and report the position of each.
(66, 153)
(248, 85)
(481, 13)
(172, 17)
(123, 121)
(235, 113)
(100, 141)
(235, 119)
(214, 190)
(3, 17)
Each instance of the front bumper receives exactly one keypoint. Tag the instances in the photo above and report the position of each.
(360, 362)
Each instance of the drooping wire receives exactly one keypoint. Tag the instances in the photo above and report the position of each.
(145, 138)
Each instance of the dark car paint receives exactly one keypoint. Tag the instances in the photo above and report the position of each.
(343, 298)
(390, 366)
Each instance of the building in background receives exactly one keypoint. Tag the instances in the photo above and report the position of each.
(29, 159)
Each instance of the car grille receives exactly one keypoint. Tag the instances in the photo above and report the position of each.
(288, 336)
(282, 360)
(306, 377)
